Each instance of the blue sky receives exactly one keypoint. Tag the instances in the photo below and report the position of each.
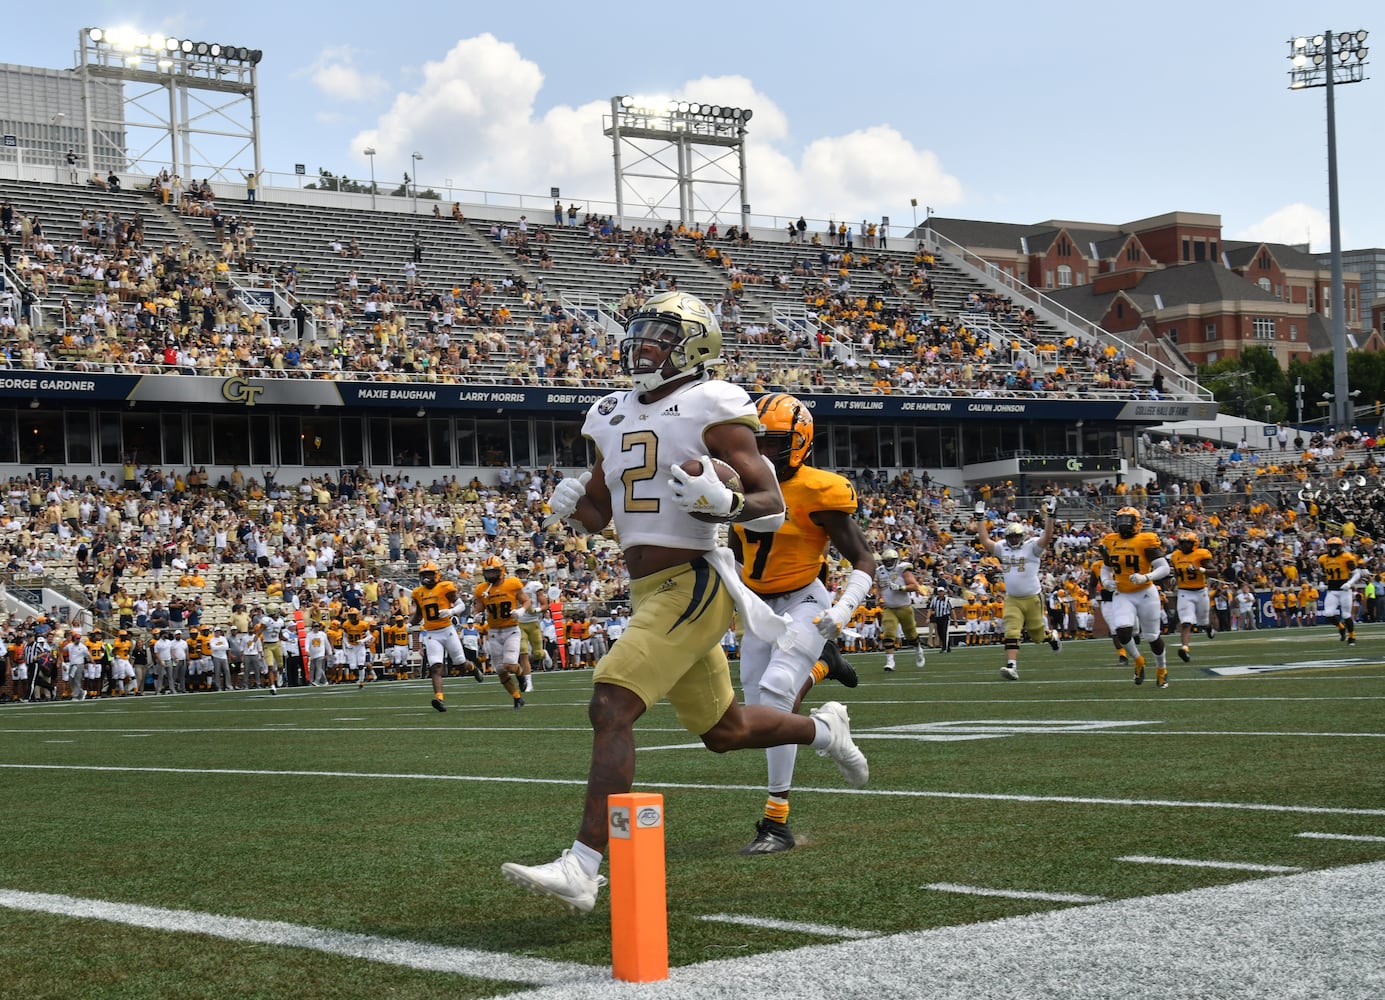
(1018, 112)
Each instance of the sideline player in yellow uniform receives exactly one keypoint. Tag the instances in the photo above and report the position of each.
(1133, 562)
(1342, 573)
(787, 568)
(435, 601)
(1190, 562)
(356, 638)
(395, 639)
(497, 599)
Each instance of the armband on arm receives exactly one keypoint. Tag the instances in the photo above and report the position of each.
(1108, 578)
(1158, 569)
(769, 522)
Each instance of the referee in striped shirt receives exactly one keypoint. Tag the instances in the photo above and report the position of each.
(941, 611)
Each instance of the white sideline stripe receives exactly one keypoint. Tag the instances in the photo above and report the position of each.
(825, 930)
(391, 951)
(1080, 952)
(698, 786)
(1364, 838)
(943, 735)
(1240, 866)
(976, 890)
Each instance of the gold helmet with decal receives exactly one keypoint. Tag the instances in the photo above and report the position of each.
(684, 333)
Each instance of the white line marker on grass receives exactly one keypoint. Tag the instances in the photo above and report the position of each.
(1364, 838)
(825, 930)
(392, 951)
(1048, 897)
(904, 793)
(1240, 866)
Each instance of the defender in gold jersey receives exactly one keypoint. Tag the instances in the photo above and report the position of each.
(1340, 569)
(1132, 563)
(435, 602)
(788, 568)
(1190, 562)
(497, 600)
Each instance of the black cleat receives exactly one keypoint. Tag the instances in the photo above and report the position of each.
(437, 703)
(519, 703)
(771, 837)
(1184, 655)
(838, 670)
(476, 672)
(1351, 640)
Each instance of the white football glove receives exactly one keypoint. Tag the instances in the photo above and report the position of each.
(702, 494)
(566, 496)
(981, 508)
(1050, 505)
(830, 623)
(1139, 579)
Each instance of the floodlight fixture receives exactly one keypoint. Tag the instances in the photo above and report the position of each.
(1331, 59)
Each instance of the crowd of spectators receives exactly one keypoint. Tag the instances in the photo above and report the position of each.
(127, 305)
(155, 549)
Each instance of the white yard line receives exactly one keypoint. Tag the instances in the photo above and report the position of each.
(1240, 866)
(699, 786)
(392, 951)
(977, 890)
(1363, 838)
(765, 923)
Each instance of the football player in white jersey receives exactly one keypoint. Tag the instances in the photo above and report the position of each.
(1019, 556)
(896, 584)
(530, 618)
(668, 521)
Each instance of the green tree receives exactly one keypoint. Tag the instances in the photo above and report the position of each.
(1247, 383)
(327, 181)
(404, 190)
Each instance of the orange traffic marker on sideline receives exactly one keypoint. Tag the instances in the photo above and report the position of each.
(639, 898)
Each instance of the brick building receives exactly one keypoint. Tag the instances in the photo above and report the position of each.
(1173, 279)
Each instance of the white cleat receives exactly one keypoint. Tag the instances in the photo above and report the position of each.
(843, 750)
(1010, 673)
(563, 880)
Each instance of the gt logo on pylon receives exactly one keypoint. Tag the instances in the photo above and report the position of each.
(239, 390)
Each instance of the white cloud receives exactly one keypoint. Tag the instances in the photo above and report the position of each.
(473, 115)
(334, 73)
(1296, 223)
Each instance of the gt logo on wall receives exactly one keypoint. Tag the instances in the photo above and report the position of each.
(239, 390)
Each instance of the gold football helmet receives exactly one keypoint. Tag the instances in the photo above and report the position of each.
(683, 331)
(788, 431)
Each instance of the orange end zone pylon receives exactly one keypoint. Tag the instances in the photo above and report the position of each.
(639, 900)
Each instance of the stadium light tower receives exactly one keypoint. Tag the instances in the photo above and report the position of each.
(1324, 61)
(415, 156)
(212, 124)
(370, 152)
(665, 140)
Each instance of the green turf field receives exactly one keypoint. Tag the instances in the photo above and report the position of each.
(355, 816)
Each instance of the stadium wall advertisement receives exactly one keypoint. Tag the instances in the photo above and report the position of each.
(299, 391)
